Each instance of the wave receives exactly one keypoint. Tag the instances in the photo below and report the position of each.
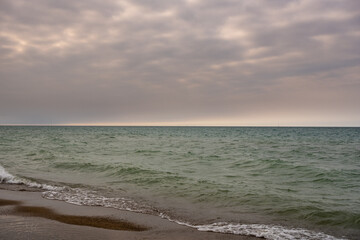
(265, 231)
(84, 167)
(80, 196)
(272, 232)
(6, 177)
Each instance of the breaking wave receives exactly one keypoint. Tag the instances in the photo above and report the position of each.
(80, 196)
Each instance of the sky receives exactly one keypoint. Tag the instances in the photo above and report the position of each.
(180, 62)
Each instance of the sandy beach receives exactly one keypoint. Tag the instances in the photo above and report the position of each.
(26, 215)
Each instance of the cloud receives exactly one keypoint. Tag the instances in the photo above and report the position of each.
(173, 61)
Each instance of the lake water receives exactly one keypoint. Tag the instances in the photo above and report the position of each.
(279, 183)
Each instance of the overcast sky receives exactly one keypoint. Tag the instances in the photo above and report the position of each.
(180, 62)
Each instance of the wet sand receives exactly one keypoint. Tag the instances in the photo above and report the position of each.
(26, 215)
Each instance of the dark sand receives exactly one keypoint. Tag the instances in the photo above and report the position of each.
(26, 215)
(99, 222)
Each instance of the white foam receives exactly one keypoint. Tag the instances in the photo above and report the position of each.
(84, 197)
(272, 232)
(6, 177)
(79, 196)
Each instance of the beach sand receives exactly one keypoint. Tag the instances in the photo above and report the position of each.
(24, 214)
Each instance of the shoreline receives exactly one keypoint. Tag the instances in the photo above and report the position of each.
(25, 214)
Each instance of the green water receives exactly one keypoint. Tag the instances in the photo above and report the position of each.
(305, 178)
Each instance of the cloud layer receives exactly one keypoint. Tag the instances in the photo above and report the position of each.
(180, 62)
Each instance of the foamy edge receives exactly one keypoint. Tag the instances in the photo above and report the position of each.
(79, 196)
(265, 231)
(6, 177)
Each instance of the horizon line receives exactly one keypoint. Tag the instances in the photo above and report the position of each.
(140, 125)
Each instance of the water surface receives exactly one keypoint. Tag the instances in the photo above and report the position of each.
(229, 179)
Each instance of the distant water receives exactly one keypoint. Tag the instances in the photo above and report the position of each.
(278, 183)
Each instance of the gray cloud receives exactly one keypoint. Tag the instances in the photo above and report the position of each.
(194, 61)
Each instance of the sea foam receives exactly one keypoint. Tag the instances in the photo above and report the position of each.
(265, 231)
(6, 177)
(80, 196)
